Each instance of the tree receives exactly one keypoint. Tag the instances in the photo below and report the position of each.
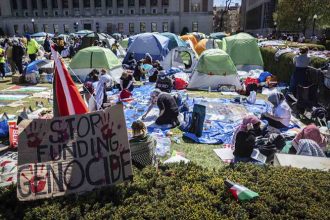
(218, 19)
(288, 12)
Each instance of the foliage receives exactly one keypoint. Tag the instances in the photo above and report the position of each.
(189, 192)
(327, 45)
(288, 12)
(310, 46)
(284, 67)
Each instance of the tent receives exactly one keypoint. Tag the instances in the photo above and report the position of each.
(198, 35)
(154, 44)
(82, 33)
(191, 38)
(214, 68)
(95, 58)
(41, 34)
(205, 44)
(219, 42)
(218, 35)
(124, 42)
(175, 41)
(46, 65)
(243, 50)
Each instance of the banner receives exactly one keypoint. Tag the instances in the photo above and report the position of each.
(73, 154)
(13, 134)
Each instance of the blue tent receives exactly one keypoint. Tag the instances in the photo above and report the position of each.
(35, 65)
(154, 44)
(175, 41)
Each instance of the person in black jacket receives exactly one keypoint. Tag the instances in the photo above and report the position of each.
(18, 53)
(47, 44)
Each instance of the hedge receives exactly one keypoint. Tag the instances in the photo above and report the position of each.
(310, 46)
(284, 67)
(327, 45)
(189, 192)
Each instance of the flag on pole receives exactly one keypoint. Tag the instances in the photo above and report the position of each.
(68, 99)
(240, 192)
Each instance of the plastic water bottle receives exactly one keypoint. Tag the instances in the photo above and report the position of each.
(210, 90)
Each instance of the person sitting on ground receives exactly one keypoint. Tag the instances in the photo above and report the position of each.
(245, 142)
(252, 120)
(126, 82)
(147, 59)
(168, 108)
(142, 146)
(164, 83)
(131, 61)
(88, 84)
(308, 147)
(155, 71)
(107, 78)
(299, 76)
(281, 114)
(310, 132)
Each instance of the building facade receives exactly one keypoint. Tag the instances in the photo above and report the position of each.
(109, 16)
(257, 16)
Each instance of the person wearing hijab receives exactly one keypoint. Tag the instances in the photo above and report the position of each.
(101, 88)
(309, 147)
(249, 121)
(281, 113)
(310, 132)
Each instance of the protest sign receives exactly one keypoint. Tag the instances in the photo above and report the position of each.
(13, 134)
(73, 154)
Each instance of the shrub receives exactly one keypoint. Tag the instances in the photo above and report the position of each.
(327, 45)
(188, 192)
(284, 67)
(310, 46)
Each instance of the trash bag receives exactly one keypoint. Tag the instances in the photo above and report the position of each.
(198, 118)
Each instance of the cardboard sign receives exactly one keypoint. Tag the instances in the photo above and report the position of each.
(73, 154)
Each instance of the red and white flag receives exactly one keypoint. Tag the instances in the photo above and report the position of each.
(68, 99)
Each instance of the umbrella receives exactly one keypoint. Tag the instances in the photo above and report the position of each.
(83, 32)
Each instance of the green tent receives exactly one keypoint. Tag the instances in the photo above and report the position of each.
(124, 42)
(243, 49)
(94, 57)
(217, 62)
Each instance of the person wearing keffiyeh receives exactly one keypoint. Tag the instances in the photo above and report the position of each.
(309, 147)
(313, 133)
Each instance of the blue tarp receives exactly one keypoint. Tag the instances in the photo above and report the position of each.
(175, 41)
(154, 44)
(221, 119)
(34, 66)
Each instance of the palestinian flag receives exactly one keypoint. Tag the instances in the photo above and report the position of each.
(240, 192)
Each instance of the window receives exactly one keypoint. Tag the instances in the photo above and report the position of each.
(66, 13)
(110, 12)
(195, 26)
(24, 4)
(66, 28)
(14, 6)
(131, 3)
(26, 14)
(56, 13)
(205, 5)
(186, 6)
(121, 12)
(16, 14)
(87, 3)
(36, 14)
(35, 28)
(143, 11)
(44, 4)
(154, 11)
(120, 27)
(54, 4)
(15, 28)
(26, 28)
(120, 3)
(109, 28)
(98, 3)
(75, 3)
(153, 27)
(45, 28)
(165, 10)
(165, 3)
(46, 13)
(55, 26)
(108, 3)
(132, 12)
(142, 27)
(153, 2)
(65, 3)
(34, 4)
(165, 26)
(131, 28)
(142, 3)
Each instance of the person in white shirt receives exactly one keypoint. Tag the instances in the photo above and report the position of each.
(299, 77)
(281, 114)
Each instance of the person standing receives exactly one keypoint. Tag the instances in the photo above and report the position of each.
(18, 53)
(9, 56)
(2, 63)
(32, 48)
(47, 44)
